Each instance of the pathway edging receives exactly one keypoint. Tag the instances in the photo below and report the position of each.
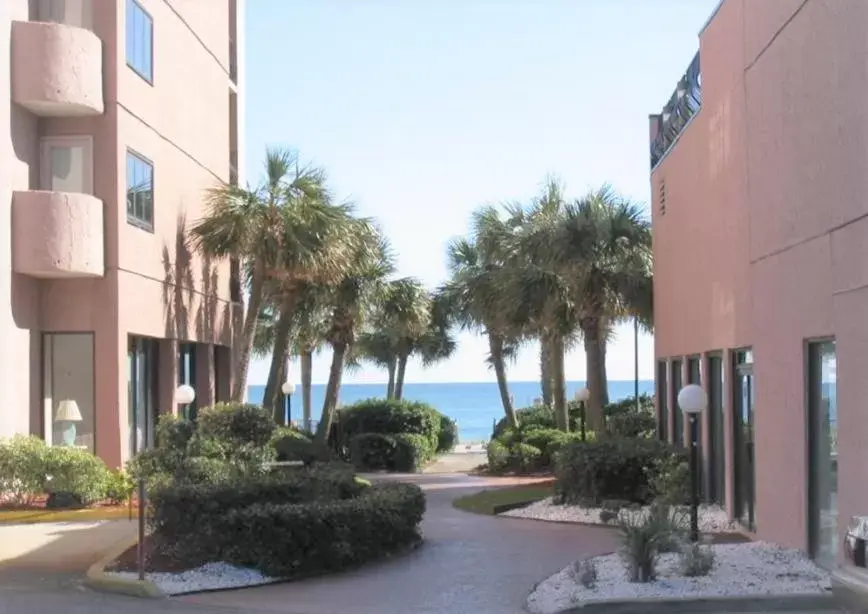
(795, 603)
(98, 579)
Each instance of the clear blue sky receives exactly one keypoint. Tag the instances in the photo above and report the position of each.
(422, 110)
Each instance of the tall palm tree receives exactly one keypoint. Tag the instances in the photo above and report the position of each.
(405, 317)
(602, 243)
(248, 224)
(309, 332)
(353, 299)
(474, 295)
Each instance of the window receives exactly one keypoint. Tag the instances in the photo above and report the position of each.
(68, 389)
(66, 164)
(69, 12)
(142, 374)
(823, 452)
(677, 414)
(187, 375)
(140, 191)
(140, 41)
(662, 401)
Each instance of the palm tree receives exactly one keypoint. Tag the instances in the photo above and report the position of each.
(247, 224)
(309, 331)
(353, 299)
(474, 294)
(378, 347)
(602, 243)
(405, 316)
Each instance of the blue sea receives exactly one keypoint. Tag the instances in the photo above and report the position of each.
(474, 406)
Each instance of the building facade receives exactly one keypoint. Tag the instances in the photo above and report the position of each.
(115, 117)
(760, 214)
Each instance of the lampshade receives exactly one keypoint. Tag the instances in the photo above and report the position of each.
(692, 399)
(582, 394)
(67, 411)
(184, 394)
(288, 388)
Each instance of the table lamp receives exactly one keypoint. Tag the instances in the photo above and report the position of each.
(67, 415)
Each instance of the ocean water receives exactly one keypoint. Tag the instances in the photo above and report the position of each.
(474, 406)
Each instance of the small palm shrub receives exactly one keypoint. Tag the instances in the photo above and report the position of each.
(696, 560)
(644, 536)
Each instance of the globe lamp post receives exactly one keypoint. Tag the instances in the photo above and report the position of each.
(693, 400)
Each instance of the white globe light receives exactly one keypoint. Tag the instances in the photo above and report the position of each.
(288, 388)
(582, 394)
(184, 394)
(692, 399)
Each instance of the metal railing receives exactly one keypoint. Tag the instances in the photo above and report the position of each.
(682, 106)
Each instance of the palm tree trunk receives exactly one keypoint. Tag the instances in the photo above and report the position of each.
(495, 344)
(339, 352)
(604, 376)
(306, 385)
(399, 380)
(559, 392)
(545, 370)
(278, 358)
(390, 389)
(248, 333)
(595, 373)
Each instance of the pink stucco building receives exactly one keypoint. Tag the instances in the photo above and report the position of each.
(760, 211)
(115, 116)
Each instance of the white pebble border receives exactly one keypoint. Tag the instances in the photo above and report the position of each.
(208, 577)
(712, 519)
(753, 569)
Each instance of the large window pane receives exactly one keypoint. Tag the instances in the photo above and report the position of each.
(662, 401)
(68, 389)
(139, 43)
(140, 191)
(744, 396)
(142, 362)
(716, 452)
(678, 415)
(823, 452)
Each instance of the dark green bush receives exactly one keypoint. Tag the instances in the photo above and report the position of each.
(628, 406)
(288, 540)
(389, 417)
(174, 433)
(524, 457)
(670, 480)
(119, 487)
(236, 424)
(76, 473)
(404, 452)
(611, 468)
(632, 424)
(22, 469)
(448, 436)
(498, 455)
(533, 417)
(182, 513)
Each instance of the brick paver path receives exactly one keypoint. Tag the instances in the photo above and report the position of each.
(469, 564)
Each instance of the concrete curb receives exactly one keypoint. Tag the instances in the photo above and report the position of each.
(791, 603)
(99, 580)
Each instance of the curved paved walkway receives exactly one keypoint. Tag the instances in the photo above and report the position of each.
(469, 564)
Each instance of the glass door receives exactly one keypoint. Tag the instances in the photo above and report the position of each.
(822, 453)
(716, 460)
(142, 364)
(743, 436)
(677, 414)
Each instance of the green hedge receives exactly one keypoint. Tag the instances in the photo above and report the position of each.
(611, 468)
(448, 436)
(405, 452)
(389, 417)
(71, 477)
(299, 523)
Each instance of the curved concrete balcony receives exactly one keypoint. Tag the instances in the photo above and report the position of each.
(57, 235)
(56, 69)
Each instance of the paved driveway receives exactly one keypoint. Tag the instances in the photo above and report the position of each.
(469, 563)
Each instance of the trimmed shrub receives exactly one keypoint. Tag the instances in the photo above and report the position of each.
(236, 424)
(628, 406)
(669, 479)
(287, 540)
(611, 468)
(291, 444)
(524, 457)
(304, 522)
(22, 469)
(389, 417)
(402, 452)
(533, 417)
(448, 436)
(74, 475)
(632, 424)
(119, 487)
(498, 455)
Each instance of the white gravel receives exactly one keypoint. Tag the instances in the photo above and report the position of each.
(208, 577)
(740, 570)
(712, 519)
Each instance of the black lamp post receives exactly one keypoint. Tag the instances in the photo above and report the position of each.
(582, 398)
(288, 390)
(693, 401)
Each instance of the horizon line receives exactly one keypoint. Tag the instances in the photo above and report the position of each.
(530, 381)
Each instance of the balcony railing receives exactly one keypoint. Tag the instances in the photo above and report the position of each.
(682, 106)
